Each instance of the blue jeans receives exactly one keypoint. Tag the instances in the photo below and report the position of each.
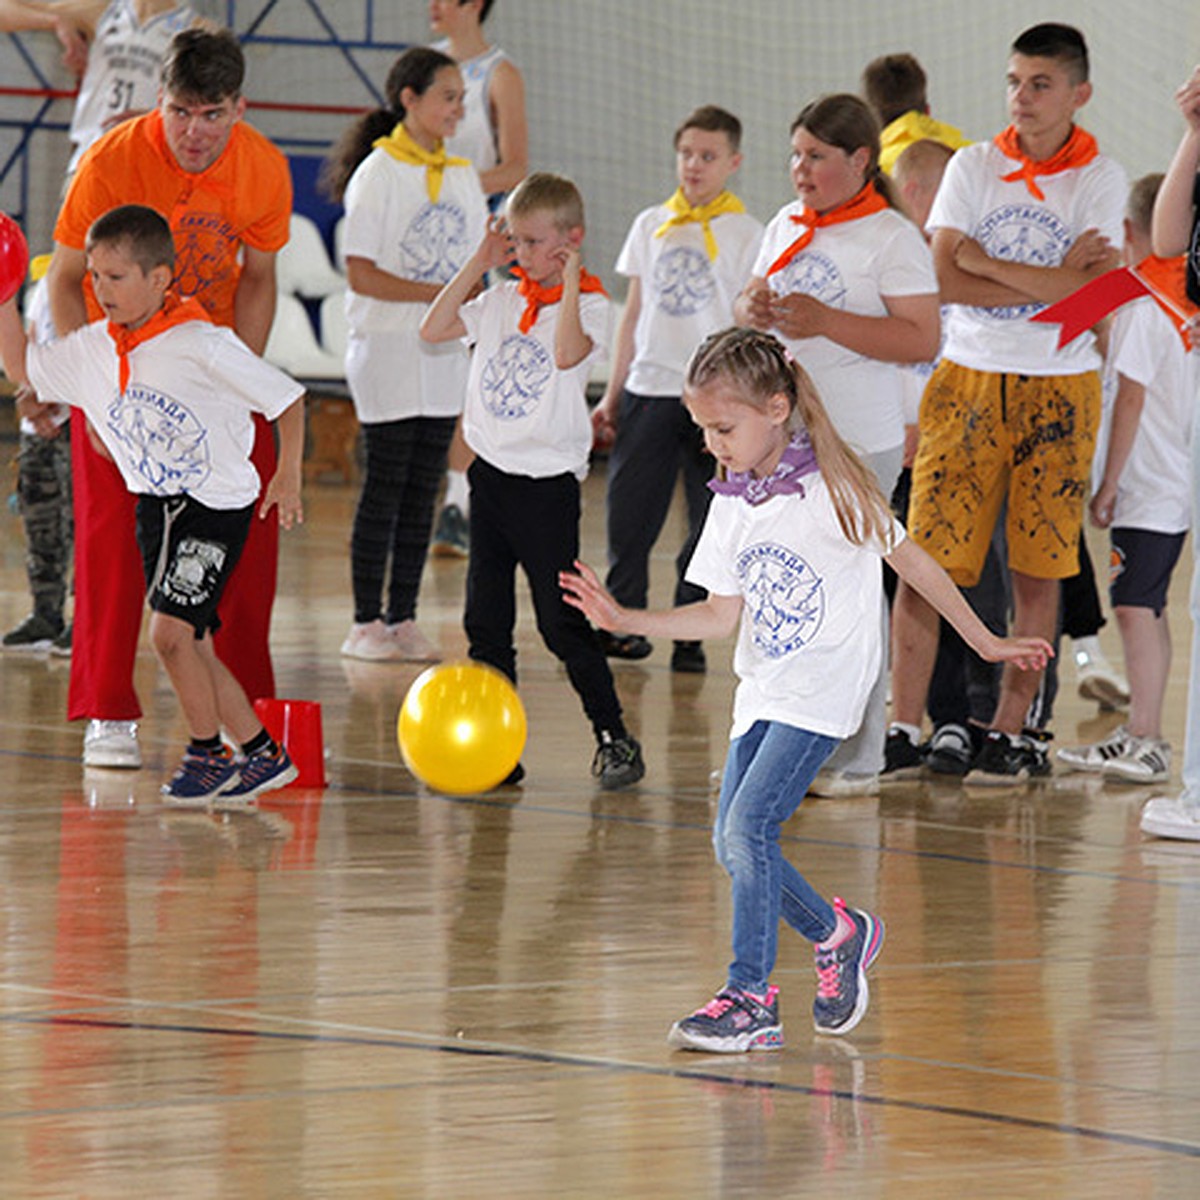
(766, 776)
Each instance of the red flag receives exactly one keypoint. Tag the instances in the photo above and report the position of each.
(1079, 311)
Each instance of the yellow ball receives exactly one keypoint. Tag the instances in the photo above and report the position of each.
(461, 727)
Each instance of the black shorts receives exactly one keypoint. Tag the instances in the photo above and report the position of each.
(188, 553)
(1142, 562)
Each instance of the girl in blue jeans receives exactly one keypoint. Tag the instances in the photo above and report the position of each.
(790, 556)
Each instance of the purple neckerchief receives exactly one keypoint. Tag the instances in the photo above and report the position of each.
(798, 459)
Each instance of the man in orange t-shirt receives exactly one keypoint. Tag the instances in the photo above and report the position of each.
(226, 192)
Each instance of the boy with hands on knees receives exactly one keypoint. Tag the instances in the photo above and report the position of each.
(171, 396)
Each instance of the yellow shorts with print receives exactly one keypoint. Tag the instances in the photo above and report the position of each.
(989, 437)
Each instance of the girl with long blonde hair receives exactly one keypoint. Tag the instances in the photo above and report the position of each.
(789, 556)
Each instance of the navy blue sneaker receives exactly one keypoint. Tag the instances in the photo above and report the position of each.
(201, 777)
(732, 1022)
(262, 773)
(842, 992)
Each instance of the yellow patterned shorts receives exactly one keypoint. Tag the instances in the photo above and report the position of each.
(988, 437)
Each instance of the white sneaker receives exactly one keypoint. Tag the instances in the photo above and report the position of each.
(111, 744)
(1147, 760)
(841, 783)
(1095, 756)
(1169, 817)
(370, 641)
(1098, 679)
(412, 645)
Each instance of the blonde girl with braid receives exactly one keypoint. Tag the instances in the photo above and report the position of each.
(789, 556)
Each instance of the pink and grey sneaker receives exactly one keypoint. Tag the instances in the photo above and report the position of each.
(732, 1022)
(842, 992)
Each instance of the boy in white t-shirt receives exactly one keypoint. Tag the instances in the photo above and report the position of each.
(535, 339)
(1019, 222)
(686, 259)
(171, 396)
(1144, 498)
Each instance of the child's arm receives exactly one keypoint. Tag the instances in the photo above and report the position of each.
(910, 332)
(1090, 255)
(507, 98)
(607, 412)
(571, 344)
(366, 278)
(441, 322)
(1127, 412)
(712, 618)
(920, 572)
(1173, 208)
(283, 491)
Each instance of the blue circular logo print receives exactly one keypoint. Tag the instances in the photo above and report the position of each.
(813, 274)
(683, 281)
(515, 376)
(784, 595)
(161, 439)
(1022, 233)
(435, 244)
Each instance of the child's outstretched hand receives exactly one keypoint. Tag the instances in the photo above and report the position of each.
(582, 590)
(283, 494)
(1025, 653)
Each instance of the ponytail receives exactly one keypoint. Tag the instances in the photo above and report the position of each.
(413, 71)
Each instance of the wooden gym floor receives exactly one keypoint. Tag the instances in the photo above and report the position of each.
(376, 991)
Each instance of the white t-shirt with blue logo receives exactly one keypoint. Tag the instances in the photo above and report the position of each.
(852, 266)
(1010, 223)
(184, 423)
(392, 374)
(808, 648)
(685, 295)
(522, 414)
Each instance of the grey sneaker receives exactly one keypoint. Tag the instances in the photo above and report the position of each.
(451, 535)
(732, 1022)
(618, 762)
(33, 633)
(842, 992)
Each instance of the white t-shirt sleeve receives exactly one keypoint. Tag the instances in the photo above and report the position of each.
(366, 220)
(236, 371)
(595, 314)
(1133, 349)
(54, 368)
(712, 560)
(906, 264)
(632, 261)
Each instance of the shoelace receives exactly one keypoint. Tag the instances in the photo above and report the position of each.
(829, 974)
(719, 1005)
(206, 766)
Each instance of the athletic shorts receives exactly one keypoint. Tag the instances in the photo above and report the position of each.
(188, 553)
(1141, 565)
(987, 437)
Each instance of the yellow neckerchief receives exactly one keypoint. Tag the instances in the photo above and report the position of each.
(403, 147)
(683, 212)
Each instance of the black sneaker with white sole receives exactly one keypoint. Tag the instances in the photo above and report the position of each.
(902, 758)
(1007, 759)
(950, 750)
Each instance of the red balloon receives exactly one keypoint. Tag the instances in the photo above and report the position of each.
(14, 257)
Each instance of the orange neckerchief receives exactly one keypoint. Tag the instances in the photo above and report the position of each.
(173, 312)
(862, 204)
(536, 296)
(1167, 277)
(1077, 151)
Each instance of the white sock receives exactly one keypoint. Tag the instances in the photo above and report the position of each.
(458, 492)
(912, 732)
